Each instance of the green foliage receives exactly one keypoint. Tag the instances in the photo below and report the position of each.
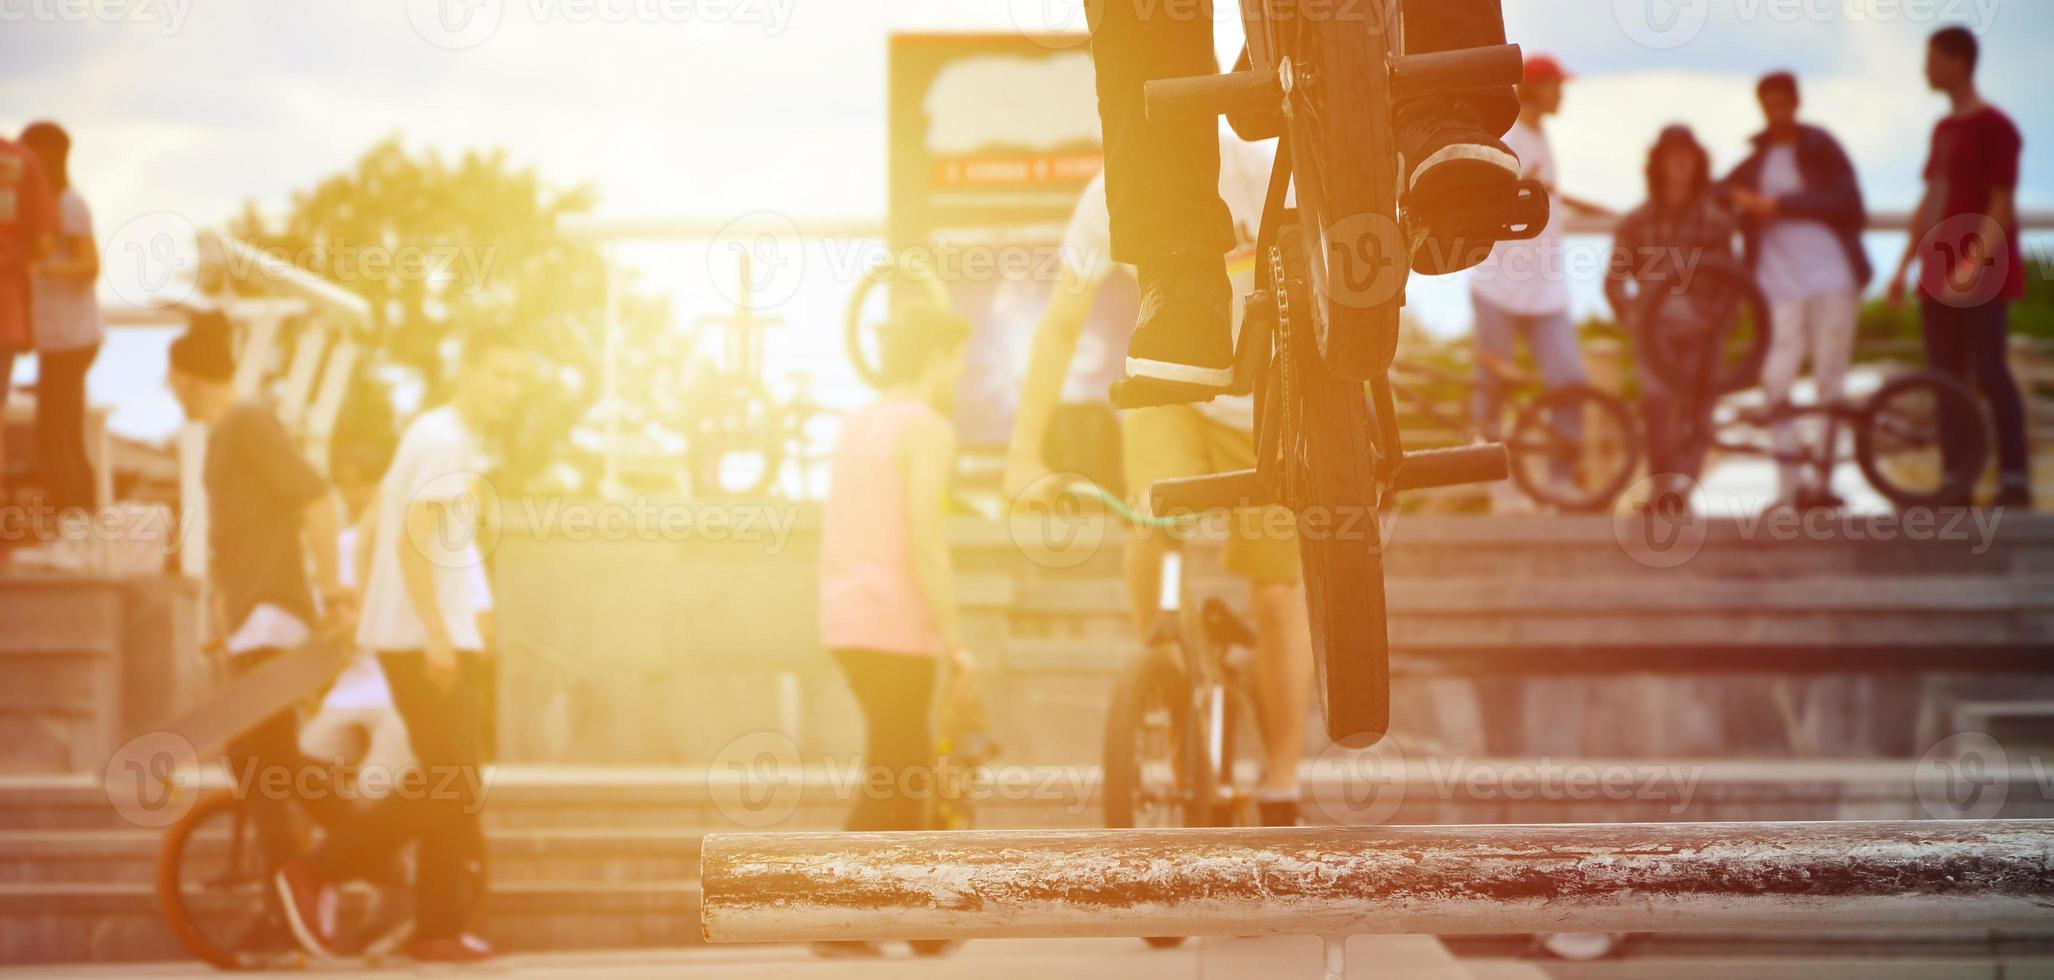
(440, 247)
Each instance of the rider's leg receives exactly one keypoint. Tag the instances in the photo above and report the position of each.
(1451, 144)
(1789, 340)
(1835, 318)
(1495, 333)
(1283, 676)
(1559, 355)
(1162, 189)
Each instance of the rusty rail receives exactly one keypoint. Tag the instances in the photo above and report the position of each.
(1760, 877)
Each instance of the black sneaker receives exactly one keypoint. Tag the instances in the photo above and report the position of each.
(1186, 332)
(1451, 159)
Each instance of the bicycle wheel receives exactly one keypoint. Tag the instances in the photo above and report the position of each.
(214, 887)
(1345, 162)
(736, 438)
(1147, 771)
(1330, 482)
(1903, 447)
(1715, 308)
(857, 328)
(1576, 448)
(1148, 752)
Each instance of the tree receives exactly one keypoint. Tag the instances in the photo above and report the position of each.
(438, 248)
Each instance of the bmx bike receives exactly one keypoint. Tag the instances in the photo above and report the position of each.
(1553, 432)
(1707, 337)
(1323, 319)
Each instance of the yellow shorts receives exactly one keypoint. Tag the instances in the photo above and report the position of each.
(1179, 441)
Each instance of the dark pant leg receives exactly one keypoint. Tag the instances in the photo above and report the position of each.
(1451, 25)
(1162, 178)
(272, 746)
(442, 727)
(6, 385)
(1947, 353)
(896, 692)
(61, 427)
(1989, 361)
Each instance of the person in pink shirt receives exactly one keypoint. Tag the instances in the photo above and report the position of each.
(887, 585)
(887, 590)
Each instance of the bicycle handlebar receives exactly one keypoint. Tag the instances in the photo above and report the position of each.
(1119, 508)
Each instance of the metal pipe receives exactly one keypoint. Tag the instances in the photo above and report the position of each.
(1766, 877)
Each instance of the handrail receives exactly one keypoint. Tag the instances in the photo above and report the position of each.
(1769, 877)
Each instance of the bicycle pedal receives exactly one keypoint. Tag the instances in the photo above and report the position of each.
(1134, 393)
(1501, 212)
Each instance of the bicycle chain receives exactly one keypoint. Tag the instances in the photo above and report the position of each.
(1288, 402)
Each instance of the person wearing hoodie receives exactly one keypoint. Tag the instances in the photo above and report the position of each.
(1801, 214)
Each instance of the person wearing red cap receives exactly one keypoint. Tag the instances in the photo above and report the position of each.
(28, 230)
(1168, 220)
(1520, 292)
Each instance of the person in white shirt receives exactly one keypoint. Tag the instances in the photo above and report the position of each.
(421, 616)
(1802, 214)
(1520, 292)
(1181, 441)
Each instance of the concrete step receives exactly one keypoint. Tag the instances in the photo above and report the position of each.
(592, 855)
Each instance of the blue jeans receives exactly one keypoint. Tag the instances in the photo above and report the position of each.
(1552, 339)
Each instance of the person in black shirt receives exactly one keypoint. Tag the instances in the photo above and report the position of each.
(266, 511)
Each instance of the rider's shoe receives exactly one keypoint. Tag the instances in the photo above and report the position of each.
(457, 949)
(1279, 812)
(309, 906)
(1186, 332)
(1451, 160)
(2014, 495)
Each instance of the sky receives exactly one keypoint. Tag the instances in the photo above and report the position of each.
(712, 107)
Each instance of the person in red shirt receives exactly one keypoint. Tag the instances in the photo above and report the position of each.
(28, 229)
(1965, 238)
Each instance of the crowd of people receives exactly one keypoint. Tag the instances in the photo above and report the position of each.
(49, 266)
(282, 571)
(1793, 212)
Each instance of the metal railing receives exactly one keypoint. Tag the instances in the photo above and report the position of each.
(1336, 882)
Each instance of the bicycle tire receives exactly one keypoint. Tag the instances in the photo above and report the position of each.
(1345, 158)
(1873, 441)
(1532, 450)
(900, 266)
(179, 916)
(733, 415)
(1154, 678)
(1727, 291)
(1332, 486)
